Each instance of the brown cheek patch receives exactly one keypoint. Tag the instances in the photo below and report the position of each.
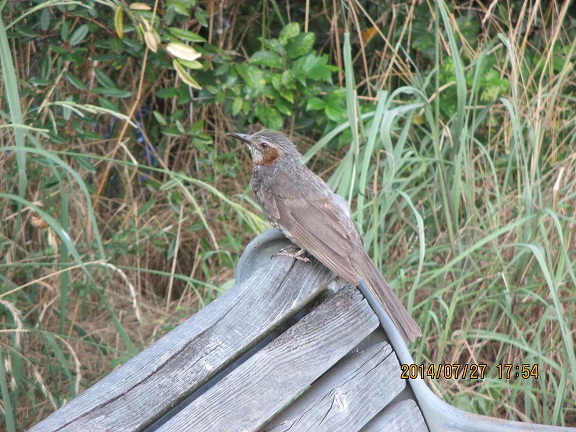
(270, 156)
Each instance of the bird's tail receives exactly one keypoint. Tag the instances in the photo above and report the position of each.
(385, 296)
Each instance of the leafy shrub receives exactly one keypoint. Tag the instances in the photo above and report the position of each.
(286, 77)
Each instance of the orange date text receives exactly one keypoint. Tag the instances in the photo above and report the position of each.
(446, 371)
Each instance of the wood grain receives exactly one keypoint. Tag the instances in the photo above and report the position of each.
(400, 416)
(257, 389)
(148, 385)
(346, 397)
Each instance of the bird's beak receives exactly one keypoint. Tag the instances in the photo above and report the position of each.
(241, 137)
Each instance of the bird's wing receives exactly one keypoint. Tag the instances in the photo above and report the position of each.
(271, 206)
(322, 228)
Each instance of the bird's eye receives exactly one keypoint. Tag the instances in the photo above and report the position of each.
(264, 145)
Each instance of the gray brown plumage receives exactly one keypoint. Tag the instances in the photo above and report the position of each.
(302, 206)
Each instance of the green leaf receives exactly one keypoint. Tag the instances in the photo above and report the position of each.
(132, 44)
(58, 139)
(336, 114)
(24, 31)
(40, 82)
(87, 135)
(78, 35)
(300, 45)
(201, 15)
(103, 79)
(46, 66)
(237, 105)
(171, 132)
(186, 35)
(305, 65)
(183, 7)
(184, 75)
(195, 64)
(146, 206)
(85, 163)
(175, 200)
(290, 31)
(276, 81)
(272, 45)
(159, 118)
(65, 31)
(336, 98)
(108, 57)
(58, 49)
(105, 103)
(75, 81)
(178, 114)
(320, 70)
(288, 79)
(168, 93)
(197, 227)
(288, 95)
(45, 19)
(113, 92)
(197, 127)
(283, 106)
(267, 58)
(269, 116)
(67, 112)
(299, 70)
(252, 76)
(180, 127)
(169, 16)
(315, 104)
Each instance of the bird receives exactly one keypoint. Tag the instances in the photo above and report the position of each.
(303, 207)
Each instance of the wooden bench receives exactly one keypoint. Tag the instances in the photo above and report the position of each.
(285, 349)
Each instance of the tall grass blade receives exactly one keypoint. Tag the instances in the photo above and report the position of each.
(7, 403)
(346, 187)
(368, 153)
(13, 99)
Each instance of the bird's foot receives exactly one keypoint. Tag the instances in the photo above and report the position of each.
(294, 252)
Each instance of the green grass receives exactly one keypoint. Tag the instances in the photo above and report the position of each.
(457, 158)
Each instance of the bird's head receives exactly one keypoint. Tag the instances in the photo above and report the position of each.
(268, 147)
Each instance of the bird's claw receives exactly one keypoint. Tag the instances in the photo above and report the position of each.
(300, 254)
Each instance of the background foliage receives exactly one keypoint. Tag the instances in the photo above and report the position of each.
(125, 207)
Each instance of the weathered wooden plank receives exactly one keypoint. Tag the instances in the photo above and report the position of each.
(348, 396)
(140, 391)
(274, 376)
(399, 416)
